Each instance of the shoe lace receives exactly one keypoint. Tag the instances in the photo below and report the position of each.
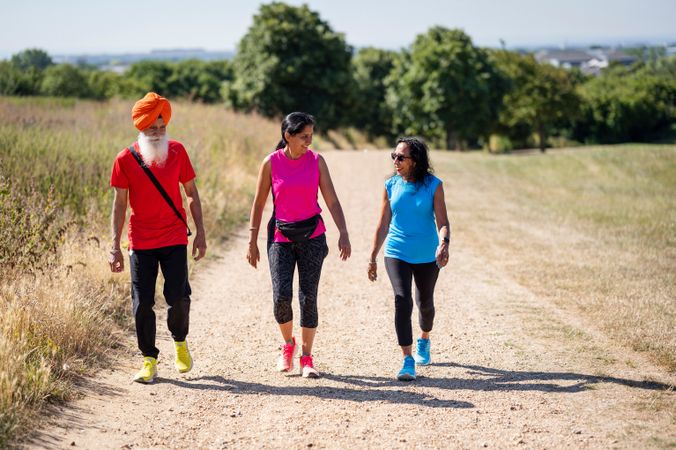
(409, 363)
(287, 350)
(182, 351)
(306, 361)
(423, 346)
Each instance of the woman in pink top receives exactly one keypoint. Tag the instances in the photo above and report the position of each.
(296, 232)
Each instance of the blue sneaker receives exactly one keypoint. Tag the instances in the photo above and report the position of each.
(407, 373)
(422, 352)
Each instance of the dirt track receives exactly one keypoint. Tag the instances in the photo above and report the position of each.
(505, 372)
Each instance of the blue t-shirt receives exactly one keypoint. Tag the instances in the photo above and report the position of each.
(413, 235)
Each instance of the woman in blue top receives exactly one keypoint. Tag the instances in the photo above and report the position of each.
(416, 248)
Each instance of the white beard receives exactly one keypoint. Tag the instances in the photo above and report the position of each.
(154, 150)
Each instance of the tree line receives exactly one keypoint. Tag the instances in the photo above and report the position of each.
(442, 86)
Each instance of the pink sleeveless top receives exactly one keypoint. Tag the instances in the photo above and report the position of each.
(295, 185)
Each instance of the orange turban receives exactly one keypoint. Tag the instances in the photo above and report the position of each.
(146, 111)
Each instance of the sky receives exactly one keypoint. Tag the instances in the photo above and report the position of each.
(126, 26)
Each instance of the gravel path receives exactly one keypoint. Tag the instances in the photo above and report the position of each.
(507, 369)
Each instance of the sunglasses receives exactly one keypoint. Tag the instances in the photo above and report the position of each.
(399, 157)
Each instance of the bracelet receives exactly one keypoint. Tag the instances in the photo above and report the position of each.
(115, 250)
(253, 228)
(373, 262)
(447, 239)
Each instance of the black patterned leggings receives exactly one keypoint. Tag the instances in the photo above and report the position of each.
(283, 258)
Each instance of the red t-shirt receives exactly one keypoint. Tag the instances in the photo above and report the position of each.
(153, 224)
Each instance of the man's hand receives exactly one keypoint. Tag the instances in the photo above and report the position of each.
(116, 260)
(199, 246)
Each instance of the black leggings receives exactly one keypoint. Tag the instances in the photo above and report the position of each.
(425, 277)
(283, 258)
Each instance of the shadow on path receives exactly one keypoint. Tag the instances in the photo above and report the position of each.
(381, 389)
(219, 383)
(489, 379)
(389, 390)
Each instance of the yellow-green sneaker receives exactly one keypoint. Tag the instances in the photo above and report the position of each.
(183, 361)
(148, 372)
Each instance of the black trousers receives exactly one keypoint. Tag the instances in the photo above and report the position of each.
(425, 276)
(144, 265)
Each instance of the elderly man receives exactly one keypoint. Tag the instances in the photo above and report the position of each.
(158, 231)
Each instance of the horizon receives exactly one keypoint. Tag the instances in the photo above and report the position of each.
(74, 27)
(623, 43)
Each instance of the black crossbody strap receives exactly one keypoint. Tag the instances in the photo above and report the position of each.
(159, 187)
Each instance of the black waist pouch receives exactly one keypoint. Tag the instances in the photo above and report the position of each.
(298, 231)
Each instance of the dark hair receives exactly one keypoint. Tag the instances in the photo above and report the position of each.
(419, 153)
(294, 123)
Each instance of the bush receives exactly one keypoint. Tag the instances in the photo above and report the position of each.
(499, 144)
(31, 228)
(10, 78)
(14, 81)
(103, 85)
(65, 80)
(626, 106)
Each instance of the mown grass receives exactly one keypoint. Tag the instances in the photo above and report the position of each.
(593, 229)
(60, 308)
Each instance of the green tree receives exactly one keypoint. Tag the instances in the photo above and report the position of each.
(152, 76)
(105, 84)
(65, 80)
(32, 58)
(371, 66)
(444, 88)
(538, 95)
(22, 75)
(664, 67)
(291, 60)
(199, 80)
(622, 105)
(11, 79)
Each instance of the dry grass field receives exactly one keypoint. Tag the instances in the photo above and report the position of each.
(593, 229)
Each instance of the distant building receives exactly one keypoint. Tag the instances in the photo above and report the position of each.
(563, 58)
(590, 61)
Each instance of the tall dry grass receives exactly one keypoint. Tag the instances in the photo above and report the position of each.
(61, 310)
(55, 325)
(593, 229)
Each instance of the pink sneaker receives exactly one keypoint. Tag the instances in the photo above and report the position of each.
(307, 367)
(285, 361)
